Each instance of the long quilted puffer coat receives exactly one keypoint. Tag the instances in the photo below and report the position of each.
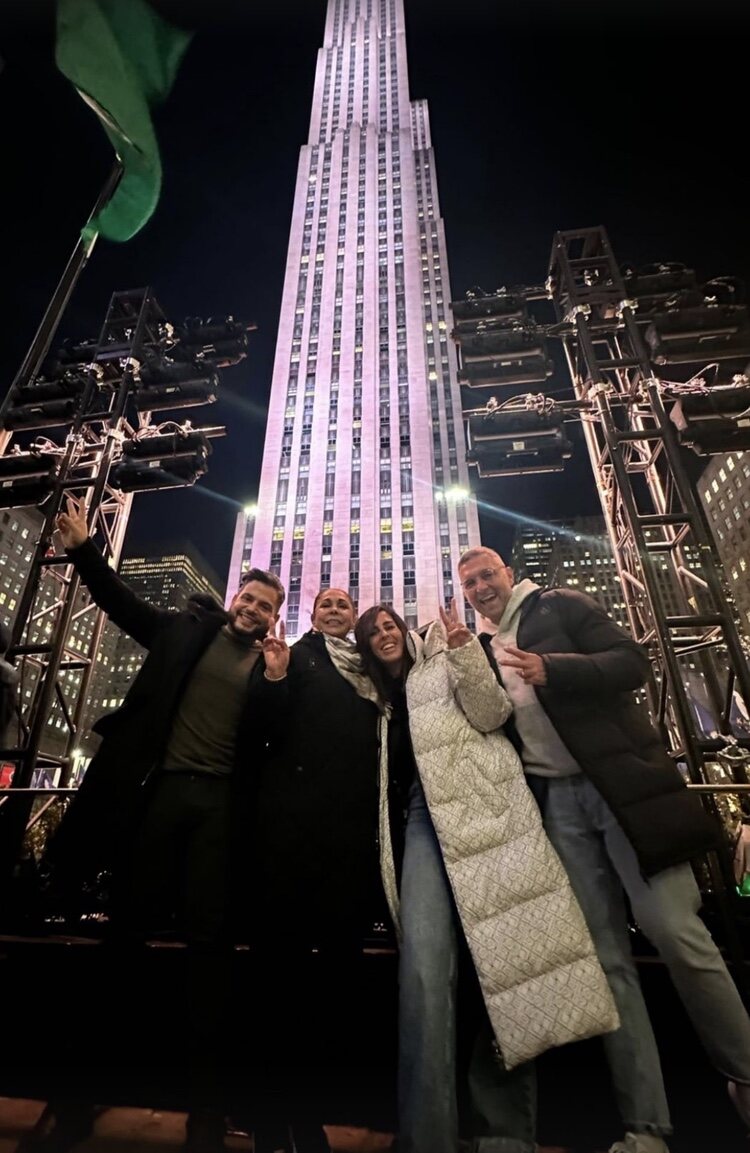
(540, 977)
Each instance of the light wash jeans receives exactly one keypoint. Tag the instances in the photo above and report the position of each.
(502, 1104)
(600, 862)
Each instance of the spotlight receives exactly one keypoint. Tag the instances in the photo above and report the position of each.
(130, 475)
(166, 383)
(503, 355)
(714, 420)
(510, 442)
(502, 306)
(26, 478)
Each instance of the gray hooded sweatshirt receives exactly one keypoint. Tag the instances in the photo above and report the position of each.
(543, 753)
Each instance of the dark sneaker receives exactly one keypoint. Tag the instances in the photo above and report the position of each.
(205, 1131)
(60, 1128)
(309, 1137)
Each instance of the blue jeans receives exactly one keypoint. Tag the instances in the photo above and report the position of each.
(502, 1104)
(601, 862)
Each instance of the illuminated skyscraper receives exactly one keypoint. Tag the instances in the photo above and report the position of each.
(363, 483)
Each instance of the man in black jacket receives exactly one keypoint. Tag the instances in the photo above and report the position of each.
(618, 812)
(159, 803)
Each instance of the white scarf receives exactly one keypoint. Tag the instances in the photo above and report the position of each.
(348, 662)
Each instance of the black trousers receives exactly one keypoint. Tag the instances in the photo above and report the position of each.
(177, 874)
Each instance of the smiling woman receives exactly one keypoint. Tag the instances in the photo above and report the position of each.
(473, 843)
(333, 613)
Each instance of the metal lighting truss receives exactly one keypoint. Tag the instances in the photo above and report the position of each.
(104, 394)
(650, 506)
(622, 334)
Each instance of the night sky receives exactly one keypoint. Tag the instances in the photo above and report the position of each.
(544, 117)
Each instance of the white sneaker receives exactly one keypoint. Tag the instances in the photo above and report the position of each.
(640, 1143)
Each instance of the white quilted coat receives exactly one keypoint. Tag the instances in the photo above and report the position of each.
(540, 978)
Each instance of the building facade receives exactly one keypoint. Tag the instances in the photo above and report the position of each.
(19, 532)
(364, 484)
(724, 489)
(578, 554)
(573, 554)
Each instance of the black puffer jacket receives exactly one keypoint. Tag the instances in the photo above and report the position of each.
(317, 873)
(593, 666)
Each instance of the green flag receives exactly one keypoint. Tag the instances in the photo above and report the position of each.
(123, 57)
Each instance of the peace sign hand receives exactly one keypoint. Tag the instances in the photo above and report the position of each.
(455, 630)
(529, 666)
(276, 653)
(71, 524)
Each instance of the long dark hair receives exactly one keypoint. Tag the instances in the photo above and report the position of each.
(375, 670)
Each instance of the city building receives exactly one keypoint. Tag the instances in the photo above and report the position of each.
(724, 489)
(364, 484)
(531, 552)
(578, 554)
(19, 532)
(571, 554)
(19, 529)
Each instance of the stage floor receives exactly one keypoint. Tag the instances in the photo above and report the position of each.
(46, 987)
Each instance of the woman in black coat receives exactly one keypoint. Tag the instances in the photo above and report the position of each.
(316, 880)
(317, 876)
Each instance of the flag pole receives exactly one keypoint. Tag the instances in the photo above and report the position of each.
(54, 312)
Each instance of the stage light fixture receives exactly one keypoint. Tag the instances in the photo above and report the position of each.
(503, 306)
(132, 475)
(503, 356)
(218, 343)
(513, 441)
(654, 284)
(711, 331)
(26, 478)
(170, 385)
(714, 420)
(166, 446)
(44, 414)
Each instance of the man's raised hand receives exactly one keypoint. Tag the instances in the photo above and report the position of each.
(276, 652)
(455, 630)
(71, 524)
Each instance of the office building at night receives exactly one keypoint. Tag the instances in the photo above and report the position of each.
(363, 484)
(724, 489)
(573, 554)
